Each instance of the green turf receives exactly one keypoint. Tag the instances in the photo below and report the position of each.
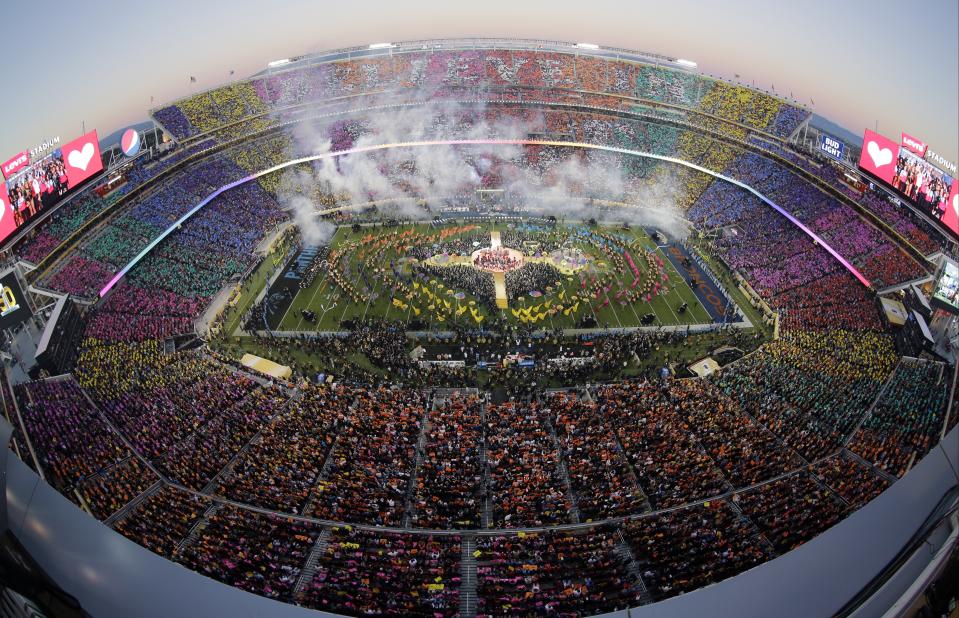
(326, 299)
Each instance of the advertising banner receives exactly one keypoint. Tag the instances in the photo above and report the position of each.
(16, 163)
(832, 147)
(40, 184)
(913, 145)
(82, 158)
(14, 309)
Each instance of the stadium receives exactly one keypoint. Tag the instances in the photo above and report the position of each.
(479, 327)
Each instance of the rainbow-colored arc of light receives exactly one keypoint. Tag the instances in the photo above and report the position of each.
(477, 142)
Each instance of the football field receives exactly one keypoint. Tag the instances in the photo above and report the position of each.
(426, 277)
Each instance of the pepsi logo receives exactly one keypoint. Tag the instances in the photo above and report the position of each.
(130, 142)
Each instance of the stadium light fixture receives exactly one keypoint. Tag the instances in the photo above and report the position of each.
(687, 63)
(277, 63)
(587, 45)
(381, 45)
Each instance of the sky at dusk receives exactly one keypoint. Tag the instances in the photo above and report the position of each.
(882, 63)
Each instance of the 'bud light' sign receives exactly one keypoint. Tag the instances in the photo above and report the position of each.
(831, 146)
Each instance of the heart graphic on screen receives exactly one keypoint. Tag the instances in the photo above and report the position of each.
(955, 203)
(879, 156)
(81, 158)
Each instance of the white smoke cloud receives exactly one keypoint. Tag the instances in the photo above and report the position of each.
(294, 195)
(567, 183)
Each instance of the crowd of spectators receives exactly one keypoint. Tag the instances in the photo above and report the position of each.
(812, 388)
(792, 510)
(601, 478)
(262, 554)
(854, 482)
(672, 467)
(71, 441)
(368, 478)
(552, 574)
(372, 573)
(511, 74)
(525, 483)
(777, 257)
(163, 520)
(689, 548)
(908, 418)
(282, 469)
(213, 246)
(352, 453)
(196, 460)
(450, 489)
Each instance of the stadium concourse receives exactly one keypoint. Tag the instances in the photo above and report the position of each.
(370, 483)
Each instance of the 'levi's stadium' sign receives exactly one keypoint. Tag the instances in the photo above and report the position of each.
(914, 145)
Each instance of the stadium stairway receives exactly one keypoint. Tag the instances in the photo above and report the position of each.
(418, 461)
(468, 577)
(647, 505)
(309, 567)
(198, 527)
(486, 516)
(320, 478)
(128, 508)
(879, 471)
(626, 555)
(228, 468)
(574, 515)
(865, 417)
